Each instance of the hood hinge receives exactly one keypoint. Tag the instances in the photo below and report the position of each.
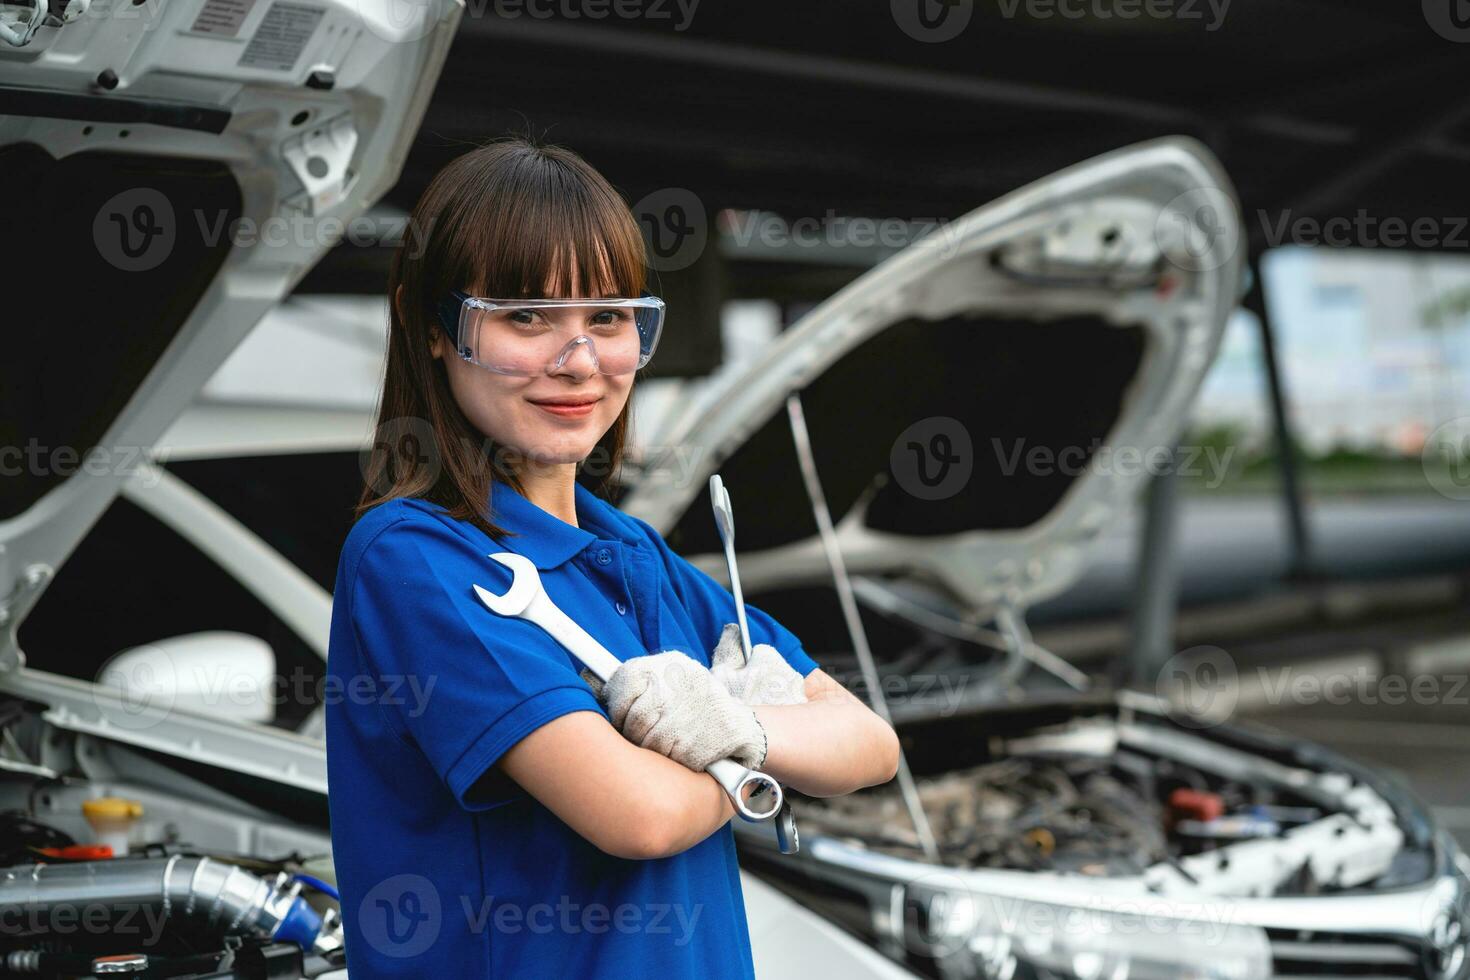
(13, 609)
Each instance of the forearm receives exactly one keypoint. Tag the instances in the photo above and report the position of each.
(827, 747)
(628, 801)
(696, 805)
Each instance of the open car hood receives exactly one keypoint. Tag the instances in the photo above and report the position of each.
(174, 171)
(981, 405)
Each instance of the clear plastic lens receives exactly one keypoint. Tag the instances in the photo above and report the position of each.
(530, 337)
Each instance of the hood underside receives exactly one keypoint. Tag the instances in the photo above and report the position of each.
(173, 175)
(976, 402)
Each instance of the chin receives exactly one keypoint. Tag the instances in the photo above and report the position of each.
(560, 448)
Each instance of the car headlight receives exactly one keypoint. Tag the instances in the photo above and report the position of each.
(1000, 938)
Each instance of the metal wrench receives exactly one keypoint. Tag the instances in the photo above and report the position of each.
(719, 499)
(756, 796)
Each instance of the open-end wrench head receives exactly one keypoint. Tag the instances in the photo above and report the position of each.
(719, 499)
(525, 585)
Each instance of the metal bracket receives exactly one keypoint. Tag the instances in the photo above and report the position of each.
(13, 609)
(321, 159)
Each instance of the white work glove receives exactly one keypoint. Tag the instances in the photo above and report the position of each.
(767, 679)
(670, 703)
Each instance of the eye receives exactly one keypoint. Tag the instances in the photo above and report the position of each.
(523, 318)
(610, 319)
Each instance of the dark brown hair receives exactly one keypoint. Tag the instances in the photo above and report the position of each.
(512, 218)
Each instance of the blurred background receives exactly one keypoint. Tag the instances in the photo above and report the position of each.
(775, 152)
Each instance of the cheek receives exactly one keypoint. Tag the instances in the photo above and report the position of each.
(490, 401)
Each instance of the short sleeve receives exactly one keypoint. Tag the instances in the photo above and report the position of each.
(711, 606)
(476, 683)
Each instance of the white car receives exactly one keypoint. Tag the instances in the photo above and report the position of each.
(175, 171)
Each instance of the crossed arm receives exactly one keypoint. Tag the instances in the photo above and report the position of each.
(635, 803)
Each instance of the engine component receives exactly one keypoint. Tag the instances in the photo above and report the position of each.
(1032, 814)
(221, 896)
(112, 820)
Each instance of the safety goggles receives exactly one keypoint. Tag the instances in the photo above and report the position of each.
(529, 337)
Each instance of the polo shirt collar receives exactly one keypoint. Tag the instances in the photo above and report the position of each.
(542, 537)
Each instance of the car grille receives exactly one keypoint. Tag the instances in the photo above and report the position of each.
(1298, 955)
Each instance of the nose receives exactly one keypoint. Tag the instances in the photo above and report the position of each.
(578, 359)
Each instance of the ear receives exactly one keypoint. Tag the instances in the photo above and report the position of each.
(436, 340)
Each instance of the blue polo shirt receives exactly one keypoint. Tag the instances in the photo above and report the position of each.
(446, 867)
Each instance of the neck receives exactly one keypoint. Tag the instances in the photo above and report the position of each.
(552, 487)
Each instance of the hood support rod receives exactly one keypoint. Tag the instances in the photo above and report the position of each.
(802, 438)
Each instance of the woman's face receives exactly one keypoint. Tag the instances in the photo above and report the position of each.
(553, 418)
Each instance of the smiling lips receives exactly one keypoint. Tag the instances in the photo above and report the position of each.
(567, 408)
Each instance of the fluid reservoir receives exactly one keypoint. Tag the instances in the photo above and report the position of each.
(112, 819)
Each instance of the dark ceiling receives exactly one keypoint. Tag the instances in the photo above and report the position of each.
(1318, 106)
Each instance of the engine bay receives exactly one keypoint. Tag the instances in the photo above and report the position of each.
(118, 861)
(1123, 798)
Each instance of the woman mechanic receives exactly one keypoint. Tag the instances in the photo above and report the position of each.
(493, 812)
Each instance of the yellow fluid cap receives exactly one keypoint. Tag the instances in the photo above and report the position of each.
(112, 808)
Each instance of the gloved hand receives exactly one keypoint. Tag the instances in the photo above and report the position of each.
(672, 704)
(767, 679)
